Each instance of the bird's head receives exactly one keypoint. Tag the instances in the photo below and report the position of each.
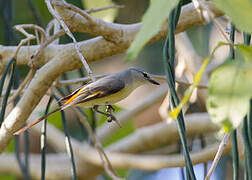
(141, 76)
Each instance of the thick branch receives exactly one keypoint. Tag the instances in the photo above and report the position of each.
(142, 140)
(58, 166)
(120, 36)
(67, 60)
(154, 136)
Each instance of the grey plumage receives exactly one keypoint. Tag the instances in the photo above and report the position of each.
(105, 91)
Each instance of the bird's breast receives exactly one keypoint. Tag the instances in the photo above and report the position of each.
(110, 99)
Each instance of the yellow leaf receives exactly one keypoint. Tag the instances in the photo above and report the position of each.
(174, 113)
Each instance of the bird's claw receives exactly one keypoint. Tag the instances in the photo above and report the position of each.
(110, 109)
(111, 118)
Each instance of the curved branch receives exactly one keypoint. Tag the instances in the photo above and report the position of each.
(67, 60)
(142, 140)
(155, 162)
(119, 37)
(58, 166)
(151, 137)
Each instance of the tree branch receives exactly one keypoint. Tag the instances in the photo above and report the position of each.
(122, 35)
(58, 166)
(67, 59)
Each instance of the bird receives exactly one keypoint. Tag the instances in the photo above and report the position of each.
(102, 92)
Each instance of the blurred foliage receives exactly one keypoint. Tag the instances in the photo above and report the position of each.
(127, 129)
(151, 58)
(8, 177)
(120, 173)
(107, 15)
(230, 90)
(10, 147)
(240, 12)
(151, 24)
(188, 93)
(199, 37)
(54, 119)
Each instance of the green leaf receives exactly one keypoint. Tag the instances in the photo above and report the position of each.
(9, 176)
(230, 90)
(151, 24)
(188, 93)
(246, 51)
(239, 11)
(127, 129)
(107, 15)
(10, 147)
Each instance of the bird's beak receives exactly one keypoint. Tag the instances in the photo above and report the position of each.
(153, 81)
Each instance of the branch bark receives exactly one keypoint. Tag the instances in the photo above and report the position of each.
(58, 62)
(122, 34)
(120, 153)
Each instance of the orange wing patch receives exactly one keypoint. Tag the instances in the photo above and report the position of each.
(73, 97)
(89, 96)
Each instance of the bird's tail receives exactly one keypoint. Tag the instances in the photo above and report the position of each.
(37, 121)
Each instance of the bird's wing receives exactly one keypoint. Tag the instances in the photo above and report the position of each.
(66, 98)
(103, 88)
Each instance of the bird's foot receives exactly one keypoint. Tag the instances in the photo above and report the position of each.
(111, 117)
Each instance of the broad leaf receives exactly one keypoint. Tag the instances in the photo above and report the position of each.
(188, 93)
(230, 90)
(239, 11)
(151, 24)
(246, 51)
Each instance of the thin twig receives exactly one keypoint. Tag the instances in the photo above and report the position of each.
(61, 63)
(75, 9)
(37, 36)
(87, 79)
(208, 15)
(21, 28)
(105, 160)
(78, 80)
(49, 27)
(28, 78)
(26, 81)
(56, 29)
(104, 8)
(11, 92)
(158, 77)
(68, 32)
(22, 42)
(44, 45)
(35, 13)
(218, 155)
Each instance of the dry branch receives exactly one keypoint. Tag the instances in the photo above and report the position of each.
(119, 152)
(151, 137)
(67, 59)
(58, 165)
(69, 33)
(123, 35)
